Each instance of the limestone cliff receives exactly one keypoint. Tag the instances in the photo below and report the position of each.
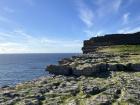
(112, 39)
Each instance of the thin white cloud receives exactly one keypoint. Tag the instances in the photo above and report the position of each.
(125, 18)
(85, 14)
(9, 10)
(4, 19)
(129, 30)
(22, 33)
(90, 33)
(106, 7)
(116, 4)
(18, 41)
(9, 22)
(9, 47)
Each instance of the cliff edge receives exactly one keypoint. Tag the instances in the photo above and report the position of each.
(92, 44)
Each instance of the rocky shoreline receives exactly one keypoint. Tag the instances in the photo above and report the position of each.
(95, 64)
(109, 75)
(120, 88)
(87, 86)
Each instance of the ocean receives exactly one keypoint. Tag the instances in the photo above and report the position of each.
(17, 68)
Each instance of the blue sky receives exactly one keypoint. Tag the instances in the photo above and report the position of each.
(53, 26)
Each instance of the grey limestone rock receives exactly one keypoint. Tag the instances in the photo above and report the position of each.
(59, 69)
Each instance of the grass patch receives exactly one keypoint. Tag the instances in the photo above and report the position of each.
(120, 48)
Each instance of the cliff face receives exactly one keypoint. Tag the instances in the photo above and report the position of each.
(111, 39)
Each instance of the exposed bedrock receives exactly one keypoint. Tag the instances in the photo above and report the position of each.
(100, 58)
(59, 70)
(92, 69)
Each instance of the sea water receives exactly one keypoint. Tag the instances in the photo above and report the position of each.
(17, 68)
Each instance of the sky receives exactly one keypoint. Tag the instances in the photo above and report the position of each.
(60, 26)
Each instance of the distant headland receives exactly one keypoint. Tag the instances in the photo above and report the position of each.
(110, 52)
(111, 39)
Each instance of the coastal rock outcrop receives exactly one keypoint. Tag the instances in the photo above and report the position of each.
(59, 69)
(122, 54)
(110, 77)
(96, 63)
(111, 39)
(118, 89)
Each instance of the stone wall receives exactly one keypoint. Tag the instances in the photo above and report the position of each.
(111, 39)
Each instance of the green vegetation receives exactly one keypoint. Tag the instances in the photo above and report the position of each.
(121, 49)
(125, 53)
(117, 88)
(121, 88)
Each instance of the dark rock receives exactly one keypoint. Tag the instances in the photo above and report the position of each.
(59, 69)
(121, 67)
(62, 85)
(40, 97)
(91, 90)
(112, 67)
(11, 95)
(43, 90)
(106, 103)
(64, 61)
(5, 86)
(135, 67)
(113, 39)
(118, 91)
